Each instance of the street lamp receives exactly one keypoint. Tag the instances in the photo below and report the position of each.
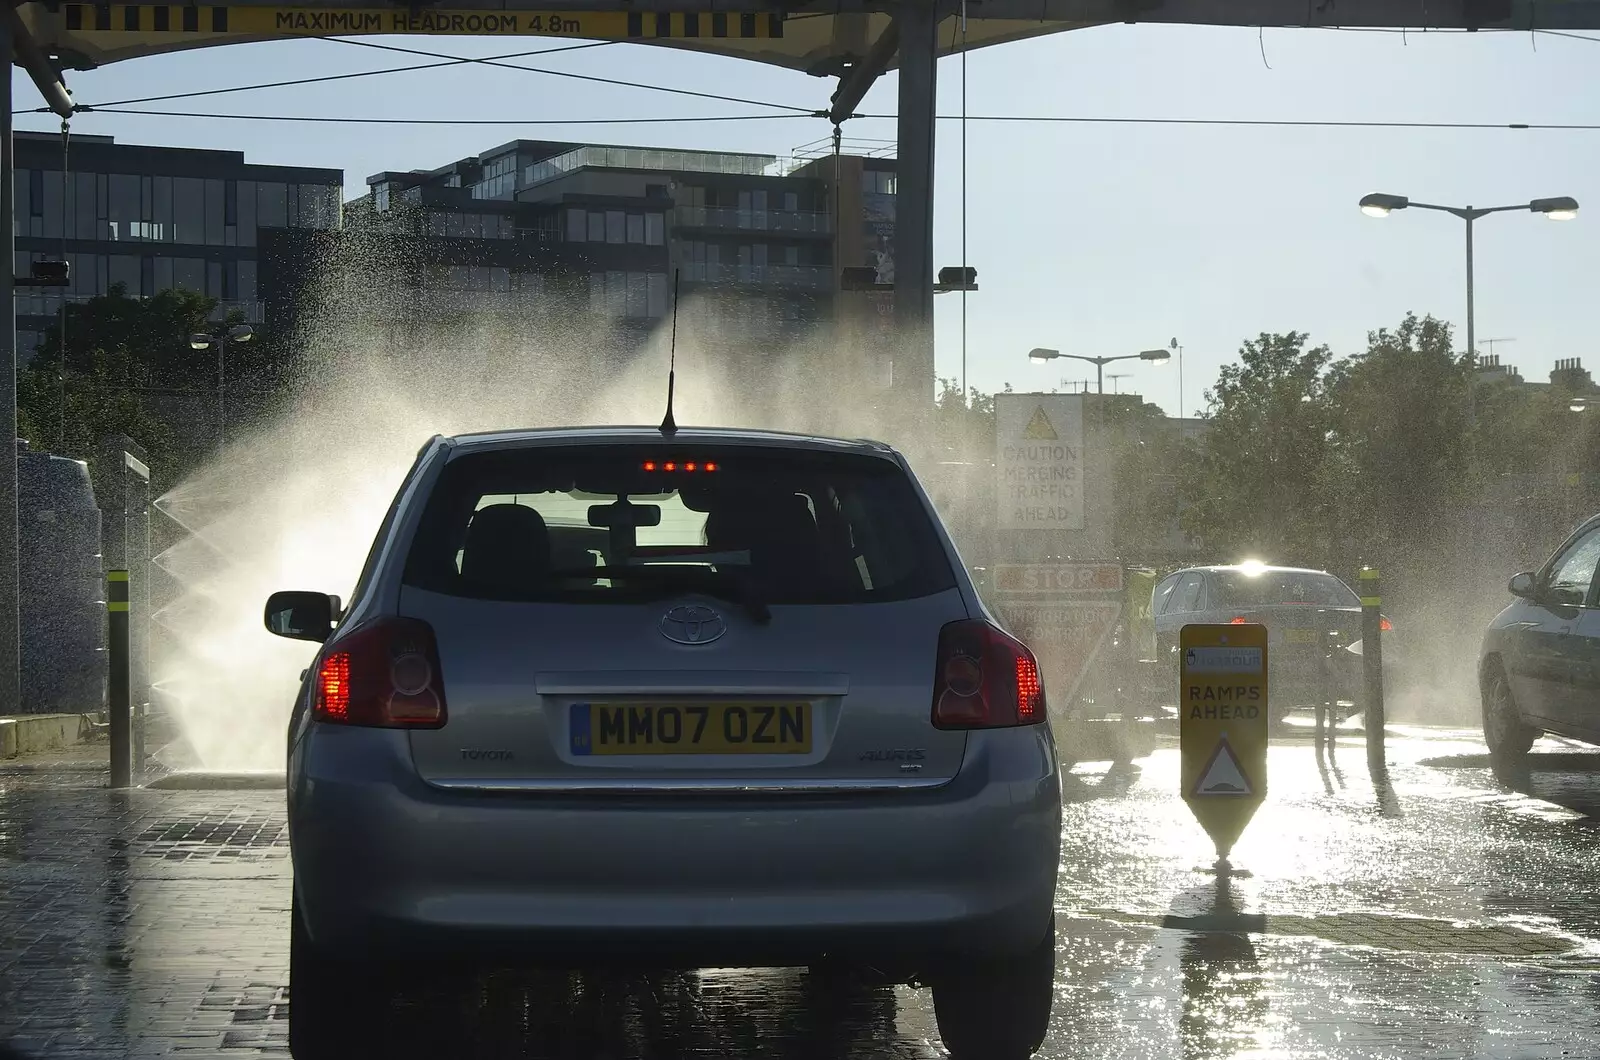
(202, 341)
(1042, 356)
(1558, 208)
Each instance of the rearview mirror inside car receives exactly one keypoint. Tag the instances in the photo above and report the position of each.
(300, 615)
(623, 514)
(1522, 585)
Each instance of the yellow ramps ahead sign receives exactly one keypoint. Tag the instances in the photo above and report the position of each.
(1222, 726)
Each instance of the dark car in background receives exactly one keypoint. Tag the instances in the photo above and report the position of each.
(1539, 666)
(1313, 625)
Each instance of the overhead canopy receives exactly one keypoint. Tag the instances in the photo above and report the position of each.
(820, 38)
(825, 43)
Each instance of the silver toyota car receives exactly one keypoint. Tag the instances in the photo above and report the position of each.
(685, 698)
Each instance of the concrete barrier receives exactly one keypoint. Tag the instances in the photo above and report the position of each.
(22, 734)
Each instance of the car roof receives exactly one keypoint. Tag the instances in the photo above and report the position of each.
(528, 436)
(1218, 568)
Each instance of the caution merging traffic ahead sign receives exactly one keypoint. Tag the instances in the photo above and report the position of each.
(1223, 724)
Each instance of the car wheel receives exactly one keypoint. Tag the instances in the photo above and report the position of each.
(333, 1004)
(1504, 729)
(997, 1009)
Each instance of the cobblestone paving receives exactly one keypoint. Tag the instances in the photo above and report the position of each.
(1452, 913)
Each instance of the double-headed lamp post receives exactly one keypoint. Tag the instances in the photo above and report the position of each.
(200, 341)
(1157, 356)
(1559, 208)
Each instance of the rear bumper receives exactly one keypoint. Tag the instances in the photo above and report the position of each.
(386, 864)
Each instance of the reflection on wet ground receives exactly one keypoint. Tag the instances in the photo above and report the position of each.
(1446, 911)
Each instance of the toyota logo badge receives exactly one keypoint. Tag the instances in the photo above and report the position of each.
(692, 624)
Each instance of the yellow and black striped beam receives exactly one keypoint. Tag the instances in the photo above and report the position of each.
(330, 22)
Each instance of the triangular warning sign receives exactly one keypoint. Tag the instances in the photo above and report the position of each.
(1039, 428)
(1223, 776)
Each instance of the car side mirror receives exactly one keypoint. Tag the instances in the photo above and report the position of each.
(1523, 585)
(300, 615)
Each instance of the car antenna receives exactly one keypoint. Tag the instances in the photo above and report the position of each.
(669, 426)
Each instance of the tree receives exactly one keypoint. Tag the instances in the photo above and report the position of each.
(1401, 434)
(1258, 486)
(122, 358)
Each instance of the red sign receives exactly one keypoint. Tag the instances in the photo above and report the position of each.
(1058, 579)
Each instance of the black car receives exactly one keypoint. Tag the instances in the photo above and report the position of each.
(1539, 668)
(1313, 625)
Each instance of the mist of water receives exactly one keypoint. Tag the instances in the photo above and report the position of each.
(295, 503)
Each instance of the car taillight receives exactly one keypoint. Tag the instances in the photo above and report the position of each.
(1385, 625)
(985, 679)
(384, 674)
(1238, 620)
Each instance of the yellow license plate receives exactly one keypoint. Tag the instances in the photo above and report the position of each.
(1301, 636)
(691, 728)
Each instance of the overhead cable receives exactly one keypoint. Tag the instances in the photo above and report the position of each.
(328, 119)
(576, 77)
(343, 77)
(686, 119)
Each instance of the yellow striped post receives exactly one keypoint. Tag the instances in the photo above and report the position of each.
(1372, 665)
(120, 684)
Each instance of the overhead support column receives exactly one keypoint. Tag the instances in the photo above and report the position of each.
(913, 237)
(10, 588)
(855, 83)
(25, 51)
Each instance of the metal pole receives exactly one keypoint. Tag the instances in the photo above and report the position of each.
(1472, 348)
(913, 267)
(1099, 377)
(222, 392)
(120, 684)
(10, 607)
(1372, 665)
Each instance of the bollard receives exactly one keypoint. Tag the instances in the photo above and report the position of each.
(1372, 666)
(120, 683)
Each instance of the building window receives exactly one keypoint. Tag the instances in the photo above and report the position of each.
(189, 274)
(577, 225)
(124, 272)
(616, 226)
(635, 228)
(597, 227)
(230, 202)
(655, 229)
(162, 194)
(215, 214)
(189, 210)
(656, 300)
(147, 276)
(272, 205)
(247, 212)
(125, 208)
(791, 201)
(247, 281)
(879, 182)
(380, 197)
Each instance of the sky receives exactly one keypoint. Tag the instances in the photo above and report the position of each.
(1094, 238)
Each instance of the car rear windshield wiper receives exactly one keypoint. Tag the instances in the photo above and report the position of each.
(732, 585)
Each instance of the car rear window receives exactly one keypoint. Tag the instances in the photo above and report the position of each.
(1236, 589)
(548, 523)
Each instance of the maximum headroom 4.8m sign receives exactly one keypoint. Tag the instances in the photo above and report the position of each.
(1039, 458)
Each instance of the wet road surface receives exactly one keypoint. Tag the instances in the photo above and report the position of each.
(1449, 913)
